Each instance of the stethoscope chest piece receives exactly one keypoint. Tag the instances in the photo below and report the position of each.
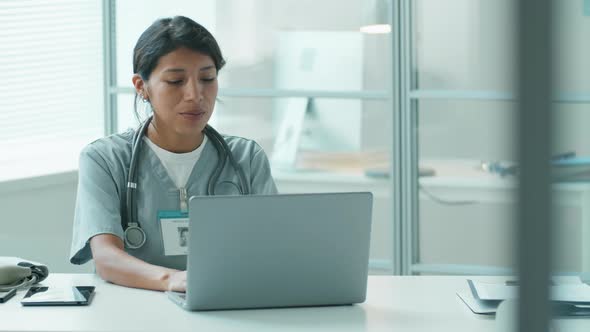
(134, 236)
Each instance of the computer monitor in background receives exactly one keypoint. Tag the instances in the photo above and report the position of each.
(317, 61)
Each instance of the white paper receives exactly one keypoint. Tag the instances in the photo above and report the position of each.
(494, 291)
(478, 306)
(566, 292)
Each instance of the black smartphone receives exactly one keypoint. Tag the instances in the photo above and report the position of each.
(5, 296)
(58, 296)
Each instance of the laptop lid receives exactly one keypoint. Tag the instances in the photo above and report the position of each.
(278, 250)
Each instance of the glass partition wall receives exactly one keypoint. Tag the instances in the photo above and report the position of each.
(570, 106)
(510, 180)
(462, 94)
(570, 115)
(496, 86)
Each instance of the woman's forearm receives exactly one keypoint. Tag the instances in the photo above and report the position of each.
(123, 269)
(113, 264)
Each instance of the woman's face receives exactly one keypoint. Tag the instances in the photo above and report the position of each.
(182, 90)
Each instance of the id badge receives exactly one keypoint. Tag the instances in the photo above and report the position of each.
(174, 229)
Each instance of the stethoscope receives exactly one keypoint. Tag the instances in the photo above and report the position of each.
(135, 236)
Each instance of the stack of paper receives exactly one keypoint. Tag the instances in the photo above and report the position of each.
(569, 298)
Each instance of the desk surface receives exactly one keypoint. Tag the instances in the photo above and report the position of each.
(419, 303)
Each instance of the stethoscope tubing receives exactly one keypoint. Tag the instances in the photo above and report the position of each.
(131, 224)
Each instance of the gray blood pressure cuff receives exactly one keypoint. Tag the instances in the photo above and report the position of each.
(16, 273)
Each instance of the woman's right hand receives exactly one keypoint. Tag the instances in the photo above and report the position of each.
(177, 281)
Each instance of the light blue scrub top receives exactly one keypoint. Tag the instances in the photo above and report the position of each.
(102, 186)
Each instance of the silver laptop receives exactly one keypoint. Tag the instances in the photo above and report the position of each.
(277, 251)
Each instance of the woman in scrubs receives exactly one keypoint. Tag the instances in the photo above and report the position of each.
(176, 63)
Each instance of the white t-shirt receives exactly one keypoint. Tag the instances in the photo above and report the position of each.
(178, 165)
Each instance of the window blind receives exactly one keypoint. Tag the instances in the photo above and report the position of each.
(51, 84)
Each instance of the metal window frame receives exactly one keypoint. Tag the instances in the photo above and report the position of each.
(109, 66)
(404, 164)
(562, 97)
(286, 93)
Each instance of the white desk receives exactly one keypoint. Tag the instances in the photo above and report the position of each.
(393, 304)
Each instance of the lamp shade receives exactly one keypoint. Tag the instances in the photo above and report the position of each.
(375, 17)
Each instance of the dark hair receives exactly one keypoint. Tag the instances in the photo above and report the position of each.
(166, 35)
